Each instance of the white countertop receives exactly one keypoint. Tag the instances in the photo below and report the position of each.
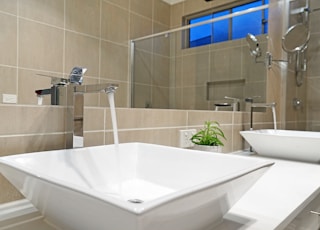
(277, 197)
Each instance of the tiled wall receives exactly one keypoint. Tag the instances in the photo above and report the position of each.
(313, 72)
(50, 37)
(167, 75)
(305, 116)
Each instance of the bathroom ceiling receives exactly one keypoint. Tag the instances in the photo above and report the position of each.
(172, 2)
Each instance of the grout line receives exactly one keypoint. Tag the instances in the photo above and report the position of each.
(18, 51)
(31, 134)
(64, 38)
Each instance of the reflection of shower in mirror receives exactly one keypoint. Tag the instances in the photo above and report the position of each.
(255, 51)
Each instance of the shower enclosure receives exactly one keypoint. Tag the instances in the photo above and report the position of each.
(167, 73)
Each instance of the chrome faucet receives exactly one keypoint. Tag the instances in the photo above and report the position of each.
(75, 108)
(75, 102)
(57, 85)
(271, 105)
(54, 91)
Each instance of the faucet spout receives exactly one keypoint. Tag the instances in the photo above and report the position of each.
(263, 105)
(96, 88)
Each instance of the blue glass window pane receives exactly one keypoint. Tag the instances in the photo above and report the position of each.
(221, 28)
(265, 28)
(200, 35)
(247, 23)
(255, 23)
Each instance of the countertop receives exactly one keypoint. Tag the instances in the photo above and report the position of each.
(276, 198)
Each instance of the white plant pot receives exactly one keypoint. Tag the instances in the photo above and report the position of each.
(208, 148)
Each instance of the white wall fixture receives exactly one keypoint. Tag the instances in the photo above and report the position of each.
(185, 136)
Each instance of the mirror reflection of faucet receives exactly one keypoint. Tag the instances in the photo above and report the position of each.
(235, 105)
(76, 77)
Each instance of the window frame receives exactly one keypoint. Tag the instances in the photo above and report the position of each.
(186, 20)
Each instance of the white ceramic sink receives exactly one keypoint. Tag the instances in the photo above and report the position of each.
(286, 144)
(132, 186)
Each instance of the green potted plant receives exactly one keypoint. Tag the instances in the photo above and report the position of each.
(209, 138)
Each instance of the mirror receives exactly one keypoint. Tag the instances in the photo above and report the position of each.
(164, 75)
(296, 38)
(201, 66)
(296, 41)
(253, 45)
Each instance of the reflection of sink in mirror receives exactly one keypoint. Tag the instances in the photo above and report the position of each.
(132, 186)
(286, 144)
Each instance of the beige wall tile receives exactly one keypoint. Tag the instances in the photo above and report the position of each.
(142, 96)
(94, 138)
(47, 11)
(160, 97)
(122, 3)
(314, 55)
(148, 118)
(139, 26)
(83, 16)
(94, 119)
(9, 6)
(197, 118)
(194, 97)
(167, 137)
(114, 61)
(193, 6)
(143, 67)
(82, 51)
(31, 120)
(238, 143)
(161, 74)
(161, 46)
(162, 12)
(196, 69)
(40, 46)
(142, 7)
(176, 12)
(114, 23)
(8, 39)
(31, 143)
(8, 79)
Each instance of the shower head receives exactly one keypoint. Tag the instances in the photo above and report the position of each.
(253, 45)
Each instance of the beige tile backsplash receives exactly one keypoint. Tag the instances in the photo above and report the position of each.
(8, 39)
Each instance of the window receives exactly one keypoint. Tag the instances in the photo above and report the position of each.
(228, 29)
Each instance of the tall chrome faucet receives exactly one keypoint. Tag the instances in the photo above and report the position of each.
(75, 102)
(253, 105)
(75, 108)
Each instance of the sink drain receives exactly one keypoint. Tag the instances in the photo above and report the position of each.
(136, 201)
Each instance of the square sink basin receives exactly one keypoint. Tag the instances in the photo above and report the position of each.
(132, 186)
